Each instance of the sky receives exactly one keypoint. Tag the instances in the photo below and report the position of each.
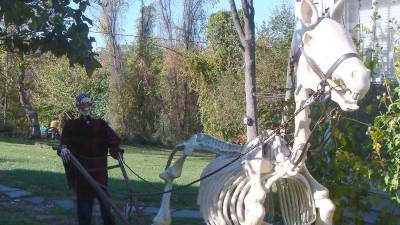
(130, 14)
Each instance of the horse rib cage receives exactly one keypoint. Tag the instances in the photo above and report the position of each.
(296, 201)
(221, 197)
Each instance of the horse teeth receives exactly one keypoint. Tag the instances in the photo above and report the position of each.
(356, 96)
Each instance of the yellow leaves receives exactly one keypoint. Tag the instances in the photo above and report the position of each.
(377, 146)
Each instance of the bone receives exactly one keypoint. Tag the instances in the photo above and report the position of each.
(163, 216)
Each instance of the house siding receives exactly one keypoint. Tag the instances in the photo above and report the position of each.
(359, 12)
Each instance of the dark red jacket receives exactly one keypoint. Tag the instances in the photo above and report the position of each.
(89, 141)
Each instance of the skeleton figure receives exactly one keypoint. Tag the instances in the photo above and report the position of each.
(240, 193)
(89, 140)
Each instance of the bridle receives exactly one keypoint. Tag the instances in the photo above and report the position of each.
(323, 83)
(323, 76)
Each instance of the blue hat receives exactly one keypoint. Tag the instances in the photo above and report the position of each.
(80, 97)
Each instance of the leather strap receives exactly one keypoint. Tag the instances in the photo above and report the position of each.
(334, 66)
(339, 61)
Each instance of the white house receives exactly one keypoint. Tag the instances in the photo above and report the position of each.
(358, 13)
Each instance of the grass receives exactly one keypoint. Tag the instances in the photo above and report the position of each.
(38, 169)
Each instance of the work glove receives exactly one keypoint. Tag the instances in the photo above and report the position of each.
(116, 152)
(65, 154)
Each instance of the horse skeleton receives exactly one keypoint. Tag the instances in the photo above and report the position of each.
(241, 193)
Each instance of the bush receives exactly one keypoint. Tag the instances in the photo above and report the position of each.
(8, 128)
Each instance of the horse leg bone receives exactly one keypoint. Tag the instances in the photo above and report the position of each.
(173, 171)
(254, 201)
(325, 206)
(164, 214)
(302, 123)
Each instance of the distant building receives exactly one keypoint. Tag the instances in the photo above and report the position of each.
(358, 14)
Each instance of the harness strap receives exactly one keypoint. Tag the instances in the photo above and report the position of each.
(334, 66)
(313, 64)
(340, 60)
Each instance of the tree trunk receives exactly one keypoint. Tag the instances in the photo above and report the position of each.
(247, 39)
(116, 112)
(5, 92)
(25, 99)
(5, 103)
(110, 13)
(289, 81)
(250, 86)
(172, 103)
(192, 14)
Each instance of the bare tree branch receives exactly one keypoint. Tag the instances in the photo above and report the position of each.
(245, 7)
(236, 22)
(110, 15)
(165, 8)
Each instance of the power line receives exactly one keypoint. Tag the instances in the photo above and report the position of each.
(154, 38)
(357, 121)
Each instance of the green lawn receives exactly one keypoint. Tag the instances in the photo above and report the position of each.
(38, 169)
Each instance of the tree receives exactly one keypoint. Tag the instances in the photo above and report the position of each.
(13, 111)
(180, 113)
(166, 19)
(57, 85)
(24, 84)
(216, 77)
(42, 26)
(170, 113)
(192, 17)
(111, 11)
(142, 100)
(384, 131)
(5, 75)
(272, 46)
(247, 41)
(7, 93)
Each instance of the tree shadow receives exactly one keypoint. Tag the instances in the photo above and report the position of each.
(13, 140)
(155, 151)
(51, 185)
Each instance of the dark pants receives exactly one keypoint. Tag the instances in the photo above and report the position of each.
(85, 206)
